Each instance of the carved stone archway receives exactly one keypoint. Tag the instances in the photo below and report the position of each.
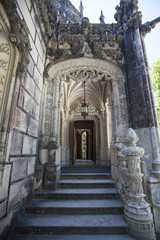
(9, 58)
(62, 97)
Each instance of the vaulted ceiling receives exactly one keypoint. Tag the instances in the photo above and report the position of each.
(96, 93)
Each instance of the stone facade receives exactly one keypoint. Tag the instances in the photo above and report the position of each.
(47, 51)
(22, 63)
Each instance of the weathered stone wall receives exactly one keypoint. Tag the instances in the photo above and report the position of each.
(23, 127)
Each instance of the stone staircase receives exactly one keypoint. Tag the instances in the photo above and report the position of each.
(85, 206)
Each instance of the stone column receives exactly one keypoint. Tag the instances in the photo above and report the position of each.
(55, 110)
(154, 179)
(116, 109)
(43, 151)
(108, 122)
(103, 139)
(121, 169)
(137, 211)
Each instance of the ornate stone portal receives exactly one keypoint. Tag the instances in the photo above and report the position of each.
(64, 92)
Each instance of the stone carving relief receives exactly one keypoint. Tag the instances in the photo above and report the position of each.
(48, 117)
(19, 36)
(132, 15)
(9, 57)
(45, 16)
(86, 50)
(76, 109)
(3, 64)
(2, 79)
(4, 60)
(4, 48)
(89, 74)
(88, 40)
(79, 45)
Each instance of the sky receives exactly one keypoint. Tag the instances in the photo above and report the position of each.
(150, 10)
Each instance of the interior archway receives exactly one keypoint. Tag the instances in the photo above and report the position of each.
(64, 96)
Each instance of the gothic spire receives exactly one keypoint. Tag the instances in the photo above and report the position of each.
(81, 9)
(102, 18)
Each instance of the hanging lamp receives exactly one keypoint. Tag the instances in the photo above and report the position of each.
(84, 106)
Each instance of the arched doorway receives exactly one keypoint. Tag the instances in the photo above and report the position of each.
(84, 140)
(63, 96)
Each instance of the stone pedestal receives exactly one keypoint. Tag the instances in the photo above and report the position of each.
(137, 211)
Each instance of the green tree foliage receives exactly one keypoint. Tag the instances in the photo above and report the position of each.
(155, 76)
(84, 139)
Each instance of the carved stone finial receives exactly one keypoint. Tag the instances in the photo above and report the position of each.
(81, 9)
(86, 26)
(131, 138)
(85, 20)
(102, 18)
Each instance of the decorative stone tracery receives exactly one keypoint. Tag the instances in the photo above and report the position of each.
(86, 73)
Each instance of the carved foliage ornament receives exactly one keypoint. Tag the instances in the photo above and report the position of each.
(3, 64)
(20, 33)
(88, 73)
(78, 45)
(78, 109)
(44, 15)
(4, 48)
(127, 14)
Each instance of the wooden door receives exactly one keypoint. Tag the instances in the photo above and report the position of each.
(80, 127)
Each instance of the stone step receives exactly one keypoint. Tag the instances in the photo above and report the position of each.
(89, 170)
(82, 162)
(65, 176)
(93, 183)
(80, 193)
(75, 237)
(69, 207)
(71, 224)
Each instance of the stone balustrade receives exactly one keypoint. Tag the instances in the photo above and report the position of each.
(130, 185)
